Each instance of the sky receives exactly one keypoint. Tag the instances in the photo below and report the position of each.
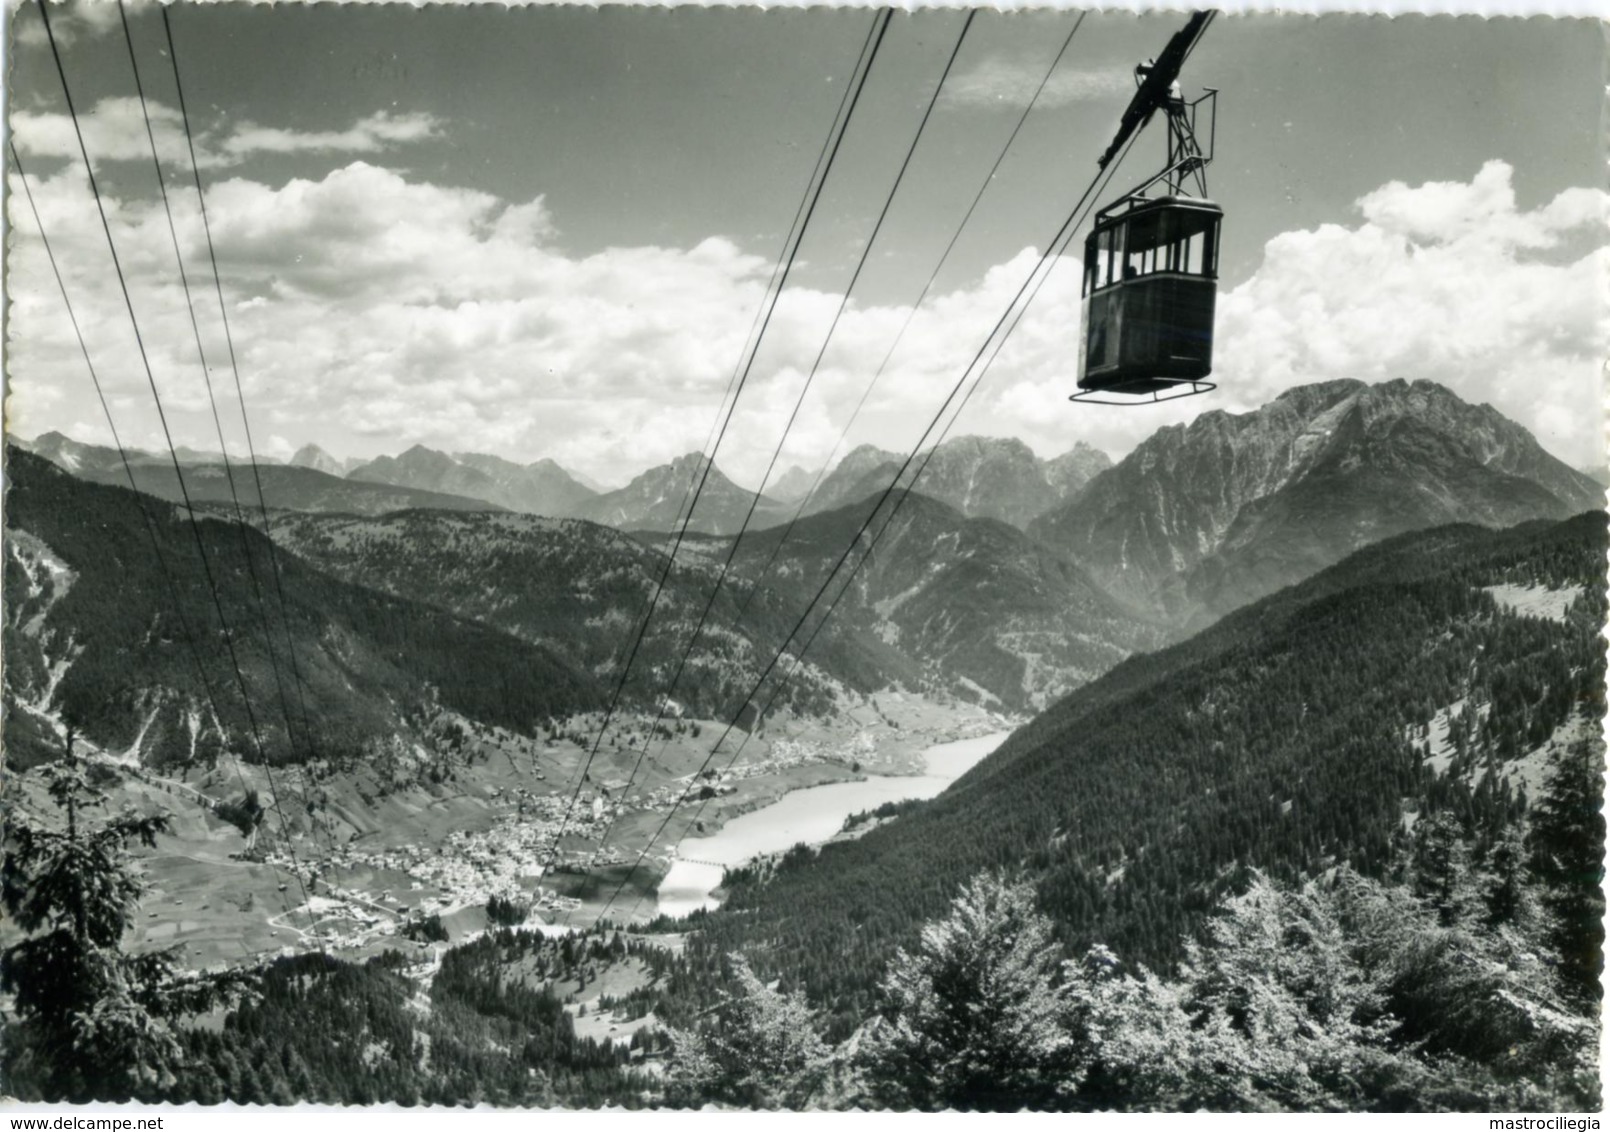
(546, 232)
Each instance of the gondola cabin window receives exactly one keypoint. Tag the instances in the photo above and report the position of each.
(1150, 278)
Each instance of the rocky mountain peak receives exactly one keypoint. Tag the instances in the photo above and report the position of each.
(981, 476)
(1205, 516)
(792, 485)
(312, 456)
(653, 500)
(421, 458)
(48, 440)
(1071, 472)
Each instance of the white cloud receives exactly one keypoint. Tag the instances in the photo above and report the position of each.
(69, 21)
(1443, 281)
(371, 312)
(368, 135)
(114, 130)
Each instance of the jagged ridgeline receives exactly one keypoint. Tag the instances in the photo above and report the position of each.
(295, 486)
(1202, 518)
(93, 631)
(1446, 670)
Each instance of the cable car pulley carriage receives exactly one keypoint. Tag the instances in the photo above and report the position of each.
(1151, 261)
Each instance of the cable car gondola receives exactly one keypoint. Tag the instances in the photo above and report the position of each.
(1151, 267)
(1151, 262)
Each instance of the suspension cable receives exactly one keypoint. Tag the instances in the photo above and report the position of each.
(297, 680)
(684, 513)
(855, 414)
(844, 302)
(184, 492)
(881, 26)
(1068, 224)
(139, 496)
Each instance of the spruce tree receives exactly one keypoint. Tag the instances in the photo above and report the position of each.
(761, 1050)
(1566, 846)
(94, 1023)
(974, 1018)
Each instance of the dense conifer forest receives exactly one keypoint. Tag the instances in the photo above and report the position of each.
(1290, 738)
(1287, 864)
(368, 662)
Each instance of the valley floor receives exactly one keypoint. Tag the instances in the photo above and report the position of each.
(372, 865)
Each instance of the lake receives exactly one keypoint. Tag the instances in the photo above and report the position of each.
(812, 815)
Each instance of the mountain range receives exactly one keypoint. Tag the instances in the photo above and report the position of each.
(1004, 578)
(539, 488)
(208, 481)
(1355, 631)
(1202, 518)
(981, 477)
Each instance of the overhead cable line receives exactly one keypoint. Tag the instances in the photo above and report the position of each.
(900, 499)
(184, 492)
(989, 179)
(684, 513)
(128, 471)
(844, 303)
(1067, 225)
(880, 28)
(297, 680)
(1041, 273)
(201, 354)
(1049, 264)
(111, 424)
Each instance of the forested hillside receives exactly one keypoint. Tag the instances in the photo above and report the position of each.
(983, 607)
(946, 603)
(96, 635)
(582, 589)
(1310, 730)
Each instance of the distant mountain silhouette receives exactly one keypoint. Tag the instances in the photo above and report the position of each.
(541, 488)
(982, 477)
(312, 456)
(654, 499)
(292, 488)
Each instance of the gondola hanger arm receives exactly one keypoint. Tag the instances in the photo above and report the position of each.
(1155, 87)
